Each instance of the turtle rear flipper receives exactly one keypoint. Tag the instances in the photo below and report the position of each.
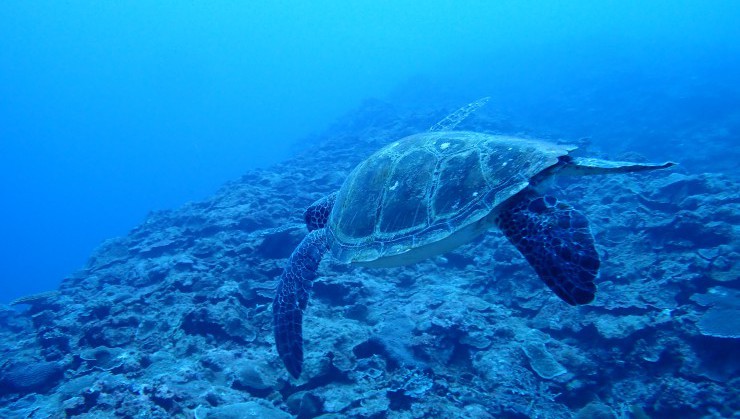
(317, 215)
(556, 241)
(291, 298)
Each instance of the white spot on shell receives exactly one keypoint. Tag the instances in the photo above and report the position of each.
(475, 193)
(505, 163)
(394, 144)
(395, 185)
(444, 146)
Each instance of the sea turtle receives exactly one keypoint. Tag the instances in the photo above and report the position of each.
(429, 193)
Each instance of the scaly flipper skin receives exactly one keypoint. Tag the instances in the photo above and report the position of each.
(317, 214)
(292, 296)
(556, 241)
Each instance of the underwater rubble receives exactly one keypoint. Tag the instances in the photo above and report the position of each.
(175, 319)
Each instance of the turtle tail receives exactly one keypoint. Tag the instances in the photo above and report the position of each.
(291, 298)
(556, 241)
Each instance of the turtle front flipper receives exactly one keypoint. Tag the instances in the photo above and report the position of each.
(317, 214)
(556, 240)
(291, 298)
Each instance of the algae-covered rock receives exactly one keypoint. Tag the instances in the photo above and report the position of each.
(722, 319)
(30, 377)
(246, 410)
(542, 361)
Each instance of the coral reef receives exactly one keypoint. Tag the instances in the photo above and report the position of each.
(174, 319)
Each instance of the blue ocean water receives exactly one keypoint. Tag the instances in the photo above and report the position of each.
(109, 110)
(156, 158)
